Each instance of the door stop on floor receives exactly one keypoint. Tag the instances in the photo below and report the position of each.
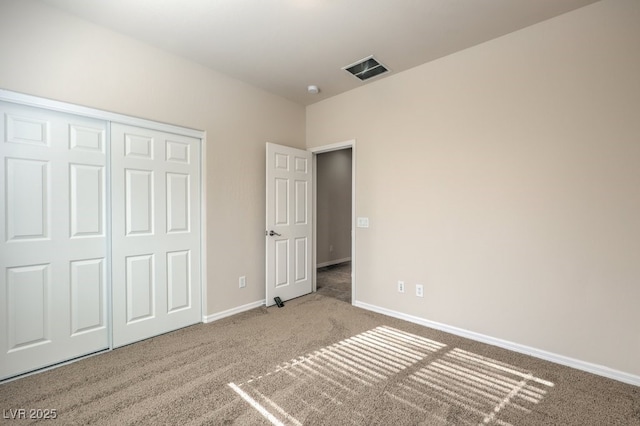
(278, 301)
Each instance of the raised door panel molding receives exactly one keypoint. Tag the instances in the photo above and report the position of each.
(282, 258)
(178, 280)
(281, 161)
(138, 146)
(301, 165)
(140, 287)
(178, 202)
(87, 295)
(87, 200)
(86, 138)
(282, 202)
(178, 152)
(301, 260)
(300, 202)
(27, 305)
(27, 206)
(27, 130)
(139, 202)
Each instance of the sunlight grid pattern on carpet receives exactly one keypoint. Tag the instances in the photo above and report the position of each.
(403, 367)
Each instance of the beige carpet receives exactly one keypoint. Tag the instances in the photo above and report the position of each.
(335, 281)
(318, 361)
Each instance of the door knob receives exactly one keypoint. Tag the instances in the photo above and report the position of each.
(272, 233)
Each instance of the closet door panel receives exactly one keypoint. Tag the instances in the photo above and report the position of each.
(52, 237)
(155, 232)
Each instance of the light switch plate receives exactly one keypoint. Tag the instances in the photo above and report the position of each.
(363, 222)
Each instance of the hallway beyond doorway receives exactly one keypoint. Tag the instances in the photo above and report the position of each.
(335, 281)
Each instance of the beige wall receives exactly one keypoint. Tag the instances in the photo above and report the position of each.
(47, 53)
(506, 179)
(333, 207)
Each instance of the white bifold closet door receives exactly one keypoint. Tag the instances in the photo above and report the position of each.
(155, 182)
(53, 238)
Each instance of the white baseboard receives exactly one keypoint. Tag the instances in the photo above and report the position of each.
(232, 311)
(516, 347)
(333, 262)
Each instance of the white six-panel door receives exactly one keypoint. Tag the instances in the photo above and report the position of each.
(53, 300)
(56, 227)
(289, 224)
(155, 232)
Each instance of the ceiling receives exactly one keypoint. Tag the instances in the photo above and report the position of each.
(282, 46)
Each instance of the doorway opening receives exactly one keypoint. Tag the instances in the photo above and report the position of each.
(334, 221)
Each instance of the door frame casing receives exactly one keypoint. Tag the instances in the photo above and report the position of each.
(321, 150)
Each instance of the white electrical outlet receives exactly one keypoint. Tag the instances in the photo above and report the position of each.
(242, 282)
(419, 290)
(400, 286)
(330, 248)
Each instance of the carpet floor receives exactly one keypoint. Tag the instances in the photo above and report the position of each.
(335, 281)
(318, 361)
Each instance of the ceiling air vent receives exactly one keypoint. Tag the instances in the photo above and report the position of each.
(366, 68)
